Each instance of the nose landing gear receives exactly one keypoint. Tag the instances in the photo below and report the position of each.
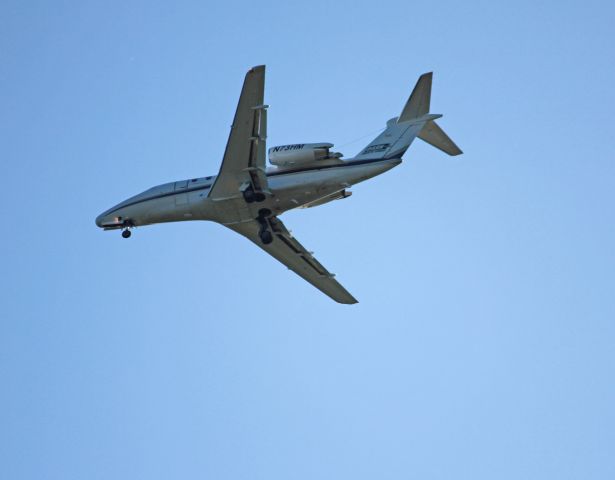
(127, 225)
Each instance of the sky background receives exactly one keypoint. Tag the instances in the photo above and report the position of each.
(483, 343)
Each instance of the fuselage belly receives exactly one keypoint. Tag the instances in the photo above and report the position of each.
(189, 199)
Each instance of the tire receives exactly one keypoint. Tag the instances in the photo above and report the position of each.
(126, 233)
(266, 237)
(248, 196)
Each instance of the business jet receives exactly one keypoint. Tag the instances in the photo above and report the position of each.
(249, 197)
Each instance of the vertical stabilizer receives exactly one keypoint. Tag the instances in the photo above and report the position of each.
(418, 103)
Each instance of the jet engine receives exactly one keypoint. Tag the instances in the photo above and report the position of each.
(302, 154)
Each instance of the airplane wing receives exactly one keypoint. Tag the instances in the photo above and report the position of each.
(291, 253)
(244, 158)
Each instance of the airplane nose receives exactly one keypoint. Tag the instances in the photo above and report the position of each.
(99, 221)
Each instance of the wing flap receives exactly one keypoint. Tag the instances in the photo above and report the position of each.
(244, 158)
(288, 251)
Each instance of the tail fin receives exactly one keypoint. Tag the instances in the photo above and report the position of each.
(414, 121)
(420, 98)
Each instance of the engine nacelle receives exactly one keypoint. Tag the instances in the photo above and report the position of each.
(301, 154)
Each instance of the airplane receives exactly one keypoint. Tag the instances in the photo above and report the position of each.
(248, 197)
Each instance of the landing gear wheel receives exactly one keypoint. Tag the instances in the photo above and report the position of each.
(266, 236)
(264, 233)
(126, 233)
(264, 213)
(249, 196)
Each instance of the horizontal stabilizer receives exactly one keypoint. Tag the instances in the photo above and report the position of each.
(435, 136)
(418, 103)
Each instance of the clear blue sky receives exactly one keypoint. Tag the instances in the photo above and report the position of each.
(483, 346)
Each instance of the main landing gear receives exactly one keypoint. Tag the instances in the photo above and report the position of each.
(250, 196)
(265, 236)
(264, 233)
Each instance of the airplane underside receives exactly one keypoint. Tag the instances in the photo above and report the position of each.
(248, 197)
(288, 191)
(296, 190)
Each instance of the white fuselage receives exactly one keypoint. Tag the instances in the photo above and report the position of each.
(190, 200)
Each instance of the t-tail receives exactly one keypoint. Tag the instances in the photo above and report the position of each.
(414, 121)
